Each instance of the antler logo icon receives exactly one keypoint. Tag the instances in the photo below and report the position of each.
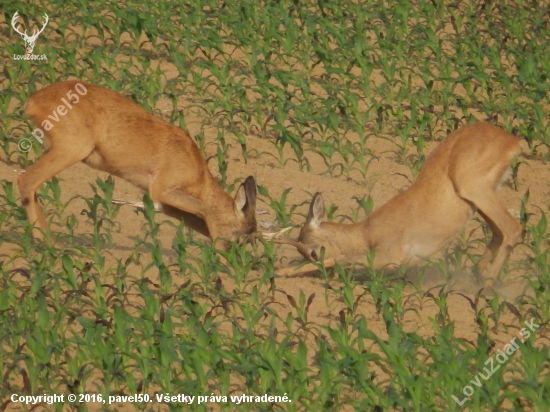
(29, 40)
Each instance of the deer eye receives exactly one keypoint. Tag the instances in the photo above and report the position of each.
(314, 255)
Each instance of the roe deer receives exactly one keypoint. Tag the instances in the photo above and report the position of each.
(110, 132)
(460, 176)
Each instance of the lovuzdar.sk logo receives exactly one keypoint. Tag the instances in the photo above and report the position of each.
(29, 40)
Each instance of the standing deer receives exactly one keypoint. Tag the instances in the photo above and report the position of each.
(109, 132)
(461, 176)
(29, 40)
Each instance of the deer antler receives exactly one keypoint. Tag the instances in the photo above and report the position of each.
(275, 238)
(274, 235)
(15, 16)
(37, 33)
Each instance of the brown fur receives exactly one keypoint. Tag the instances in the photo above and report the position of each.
(109, 132)
(460, 176)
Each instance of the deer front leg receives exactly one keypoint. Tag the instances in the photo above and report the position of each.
(50, 164)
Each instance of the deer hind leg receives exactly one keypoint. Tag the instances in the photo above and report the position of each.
(50, 164)
(505, 229)
(492, 248)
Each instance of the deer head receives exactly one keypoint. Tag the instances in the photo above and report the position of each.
(29, 40)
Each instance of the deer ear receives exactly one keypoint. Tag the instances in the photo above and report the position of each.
(316, 211)
(245, 199)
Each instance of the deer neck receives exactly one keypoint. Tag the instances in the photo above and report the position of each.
(346, 238)
(216, 199)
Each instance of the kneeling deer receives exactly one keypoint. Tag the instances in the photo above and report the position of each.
(461, 176)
